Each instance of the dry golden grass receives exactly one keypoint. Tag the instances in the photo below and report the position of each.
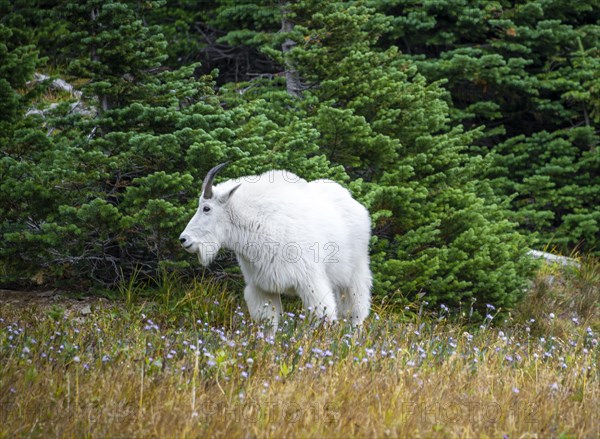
(133, 371)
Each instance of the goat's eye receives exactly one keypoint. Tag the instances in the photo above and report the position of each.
(206, 209)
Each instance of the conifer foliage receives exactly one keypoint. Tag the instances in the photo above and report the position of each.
(528, 73)
(440, 118)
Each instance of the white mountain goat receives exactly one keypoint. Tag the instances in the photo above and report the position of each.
(290, 236)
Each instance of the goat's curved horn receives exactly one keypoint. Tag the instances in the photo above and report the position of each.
(207, 192)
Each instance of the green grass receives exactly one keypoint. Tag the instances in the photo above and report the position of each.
(131, 369)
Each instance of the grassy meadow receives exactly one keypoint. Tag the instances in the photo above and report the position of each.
(187, 362)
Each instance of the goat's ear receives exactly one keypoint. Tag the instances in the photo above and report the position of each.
(231, 192)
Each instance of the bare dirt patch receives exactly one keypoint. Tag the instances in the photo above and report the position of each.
(46, 300)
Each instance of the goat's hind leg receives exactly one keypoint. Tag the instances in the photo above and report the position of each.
(355, 298)
(317, 298)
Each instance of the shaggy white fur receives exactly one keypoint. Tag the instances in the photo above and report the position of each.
(290, 236)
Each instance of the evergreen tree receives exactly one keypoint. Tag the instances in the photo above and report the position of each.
(18, 60)
(527, 73)
(120, 179)
(225, 36)
(113, 185)
(21, 142)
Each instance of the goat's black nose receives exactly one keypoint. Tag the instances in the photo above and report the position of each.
(182, 240)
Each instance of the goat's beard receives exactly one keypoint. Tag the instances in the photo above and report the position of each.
(207, 252)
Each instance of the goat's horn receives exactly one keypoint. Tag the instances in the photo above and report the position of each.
(207, 183)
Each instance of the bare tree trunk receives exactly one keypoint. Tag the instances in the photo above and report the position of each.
(292, 79)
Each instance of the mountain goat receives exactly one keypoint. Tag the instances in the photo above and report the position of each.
(290, 236)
